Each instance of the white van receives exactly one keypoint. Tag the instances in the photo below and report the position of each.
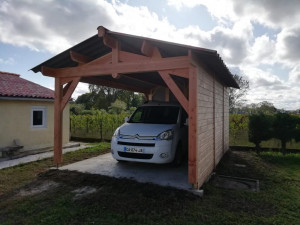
(155, 133)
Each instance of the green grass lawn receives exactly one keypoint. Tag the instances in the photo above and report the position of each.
(18, 176)
(123, 201)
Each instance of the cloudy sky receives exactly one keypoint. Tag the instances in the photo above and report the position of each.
(257, 39)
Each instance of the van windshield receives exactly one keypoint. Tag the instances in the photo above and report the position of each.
(155, 115)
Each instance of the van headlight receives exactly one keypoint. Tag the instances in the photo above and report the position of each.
(166, 135)
(117, 132)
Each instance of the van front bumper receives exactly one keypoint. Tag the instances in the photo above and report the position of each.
(148, 151)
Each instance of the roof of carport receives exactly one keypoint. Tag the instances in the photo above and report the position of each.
(94, 47)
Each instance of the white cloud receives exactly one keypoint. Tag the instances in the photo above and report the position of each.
(288, 45)
(8, 61)
(55, 25)
(52, 25)
(271, 13)
(264, 86)
(262, 51)
(294, 76)
(80, 89)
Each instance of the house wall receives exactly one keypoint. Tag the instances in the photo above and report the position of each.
(15, 123)
(212, 125)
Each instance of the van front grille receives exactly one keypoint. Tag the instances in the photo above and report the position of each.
(135, 155)
(136, 144)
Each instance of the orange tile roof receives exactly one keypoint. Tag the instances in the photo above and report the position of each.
(12, 85)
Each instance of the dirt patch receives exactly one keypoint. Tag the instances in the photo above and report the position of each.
(38, 188)
(83, 191)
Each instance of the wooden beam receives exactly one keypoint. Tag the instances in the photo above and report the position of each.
(175, 90)
(65, 80)
(192, 112)
(141, 80)
(167, 94)
(113, 84)
(79, 58)
(183, 72)
(68, 91)
(107, 39)
(152, 93)
(115, 58)
(58, 122)
(147, 49)
(131, 57)
(95, 69)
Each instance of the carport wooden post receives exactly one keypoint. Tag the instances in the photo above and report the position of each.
(58, 122)
(61, 97)
(192, 156)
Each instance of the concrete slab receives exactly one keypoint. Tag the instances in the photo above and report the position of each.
(164, 175)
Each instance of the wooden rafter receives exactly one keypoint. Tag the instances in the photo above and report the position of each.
(115, 58)
(79, 58)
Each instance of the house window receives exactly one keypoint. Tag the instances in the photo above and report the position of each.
(38, 117)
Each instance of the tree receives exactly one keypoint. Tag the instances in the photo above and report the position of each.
(117, 107)
(284, 129)
(76, 109)
(236, 96)
(266, 107)
(260, 126)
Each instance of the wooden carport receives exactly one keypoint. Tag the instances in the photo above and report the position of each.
(136, 64)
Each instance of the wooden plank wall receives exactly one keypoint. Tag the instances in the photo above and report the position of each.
(226, 119)
(213, 123)
(205, 126)
(219, 115)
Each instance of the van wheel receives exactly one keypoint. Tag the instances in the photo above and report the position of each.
(178, 156)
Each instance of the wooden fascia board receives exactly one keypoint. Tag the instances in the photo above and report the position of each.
(122, 67)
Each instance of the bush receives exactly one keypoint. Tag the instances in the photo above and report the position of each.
(284, 128)
(259, 129)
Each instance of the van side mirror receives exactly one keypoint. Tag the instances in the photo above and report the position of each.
(126, 119)
(186, 123)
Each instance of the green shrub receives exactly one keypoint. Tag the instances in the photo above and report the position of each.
(284, 128)
(260, 126)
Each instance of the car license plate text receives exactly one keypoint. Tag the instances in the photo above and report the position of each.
(133, 150)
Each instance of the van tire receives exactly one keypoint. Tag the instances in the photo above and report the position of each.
(177, 161)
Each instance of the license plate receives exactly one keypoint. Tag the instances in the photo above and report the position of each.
(133, 150)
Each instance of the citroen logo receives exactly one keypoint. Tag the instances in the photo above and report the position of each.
(137, 136)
